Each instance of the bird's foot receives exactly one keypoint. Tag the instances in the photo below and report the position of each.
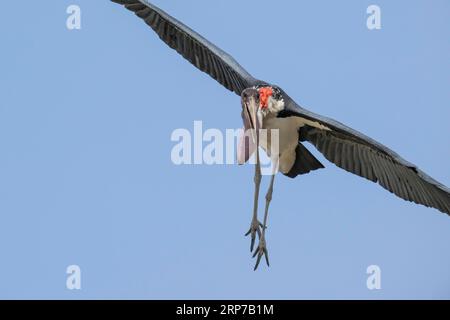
(255, 228)
(260, 251)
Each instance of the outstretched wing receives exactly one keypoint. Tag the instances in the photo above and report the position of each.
(192, 46)
(361, 155)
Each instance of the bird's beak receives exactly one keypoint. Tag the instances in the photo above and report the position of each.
(252, 116)
(252, 119)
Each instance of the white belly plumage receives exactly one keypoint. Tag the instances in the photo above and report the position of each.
(288, 138)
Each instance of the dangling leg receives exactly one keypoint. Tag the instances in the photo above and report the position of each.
(262, 249)
(255, 226)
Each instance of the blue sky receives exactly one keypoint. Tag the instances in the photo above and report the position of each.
(86, 176)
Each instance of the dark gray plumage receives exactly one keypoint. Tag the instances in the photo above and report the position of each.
(361, 155)
(343, 146)
(192, 46)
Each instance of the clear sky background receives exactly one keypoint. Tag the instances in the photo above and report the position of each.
(86, 176)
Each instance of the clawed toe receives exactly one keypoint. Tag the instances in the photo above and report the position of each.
(255, 228)
(260, 251)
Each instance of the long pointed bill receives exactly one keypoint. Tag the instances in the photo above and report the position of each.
(252, 119)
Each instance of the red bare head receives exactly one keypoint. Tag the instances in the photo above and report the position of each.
(264, 94)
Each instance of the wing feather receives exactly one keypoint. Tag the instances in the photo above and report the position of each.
(197, 50)
(365, 157)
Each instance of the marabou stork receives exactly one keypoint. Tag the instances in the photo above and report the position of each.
(266, 106)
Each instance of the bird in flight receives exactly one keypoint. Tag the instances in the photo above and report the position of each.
(266, 106)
